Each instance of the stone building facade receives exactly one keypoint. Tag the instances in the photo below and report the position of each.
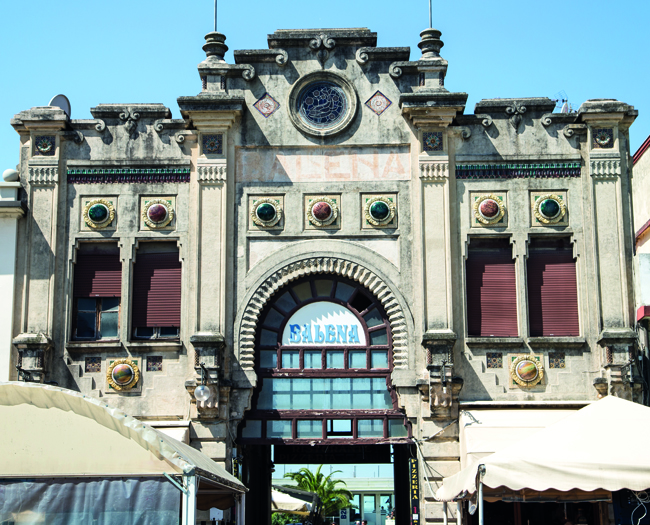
(339, 251)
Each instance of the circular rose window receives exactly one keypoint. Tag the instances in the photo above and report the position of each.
(322, 103)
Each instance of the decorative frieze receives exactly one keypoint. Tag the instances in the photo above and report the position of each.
(43, 175)
(554, 170)
(128, 175)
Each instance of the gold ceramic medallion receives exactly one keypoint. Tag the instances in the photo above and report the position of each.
(123, 374)
(549, 208)
(266, 212)
(98, 213)
(526, 371)
(157, 213)
(489, 209)
(379, 210)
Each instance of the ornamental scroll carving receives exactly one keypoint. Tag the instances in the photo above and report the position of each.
(323, 265)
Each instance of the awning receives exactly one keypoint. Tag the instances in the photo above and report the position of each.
(49, 432)
(603, 446)
(281, 502)
(484, 431)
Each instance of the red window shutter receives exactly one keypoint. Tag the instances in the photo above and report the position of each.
(98, 275)
(157, 290)
(491, 294)
(552, 294)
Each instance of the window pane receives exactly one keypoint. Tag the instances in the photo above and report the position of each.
(273, 318)
(324, 394)
(335, 359)
(339, 428)
(357, 359)
(303, 291)
(269, 338)
(144, 332)
(110, 304)
(286, 302)
(378, 359)
(368, 506)
(168, 331)
(108, 326)
(290, 359)
(278, 429)
(396, 428)
(310, 429)
(313, 359)
(88, 305)
(380, 337)
(323, 288)
(370, 428)
(343, 292)
(252, 429)
(268, 359)
(86, 324)
(356, 511)
(373, 318)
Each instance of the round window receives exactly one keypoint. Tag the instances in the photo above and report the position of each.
(322, 103)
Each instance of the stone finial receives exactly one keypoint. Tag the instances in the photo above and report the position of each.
(215, 46)
(430, 44)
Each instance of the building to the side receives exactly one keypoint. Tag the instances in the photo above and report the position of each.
(359, 268)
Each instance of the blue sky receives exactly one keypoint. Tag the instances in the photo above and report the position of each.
(127, 51)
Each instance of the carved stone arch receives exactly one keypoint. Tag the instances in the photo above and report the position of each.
(323, 265)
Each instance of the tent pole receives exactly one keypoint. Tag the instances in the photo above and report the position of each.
(459, 513)
(445, 520)
(189, 499)
(480, 503)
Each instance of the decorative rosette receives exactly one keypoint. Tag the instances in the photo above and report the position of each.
(526, 371)
(157, 213)
(379, 211)
(489, 209)
(45, 145)
(322, 211)
(604, 137)
(98, 213)
(123, 374)
(549, 209)
(266, 212)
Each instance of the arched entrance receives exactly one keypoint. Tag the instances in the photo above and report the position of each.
(323, 357)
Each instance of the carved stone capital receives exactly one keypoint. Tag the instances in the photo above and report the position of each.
(434, 171)
(605, 169)
(33, 356)
(43, 175)
(214, 173)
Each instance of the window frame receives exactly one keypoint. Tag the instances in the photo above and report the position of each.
(98, 319)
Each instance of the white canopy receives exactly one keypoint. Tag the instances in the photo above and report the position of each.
(48, 431)
(602, 446)
(281, 502)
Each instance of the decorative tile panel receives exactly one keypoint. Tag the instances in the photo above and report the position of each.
(265, 212)
(212, 144)
(526, 371)
(557, 360)
(45, 145)
(378, 211)
(123, 376)
(555, 170)
(154, 363)
(322, 212)
(158, 213)
(432, 141)
(494, 359)
(549, 208)
(98, 213)
(93, 365)
(488, 209)
(602, 138)
(266, 105)
(378, 103)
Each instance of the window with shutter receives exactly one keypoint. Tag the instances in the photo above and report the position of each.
(491, 290)
(552, 290)
(97, 290)
(156, 304)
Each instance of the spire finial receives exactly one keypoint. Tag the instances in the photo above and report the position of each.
(430, 13)
(215, 16)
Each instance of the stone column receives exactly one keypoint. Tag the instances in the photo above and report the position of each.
(10, 211)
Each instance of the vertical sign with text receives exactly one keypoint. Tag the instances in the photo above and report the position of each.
(414, 486)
